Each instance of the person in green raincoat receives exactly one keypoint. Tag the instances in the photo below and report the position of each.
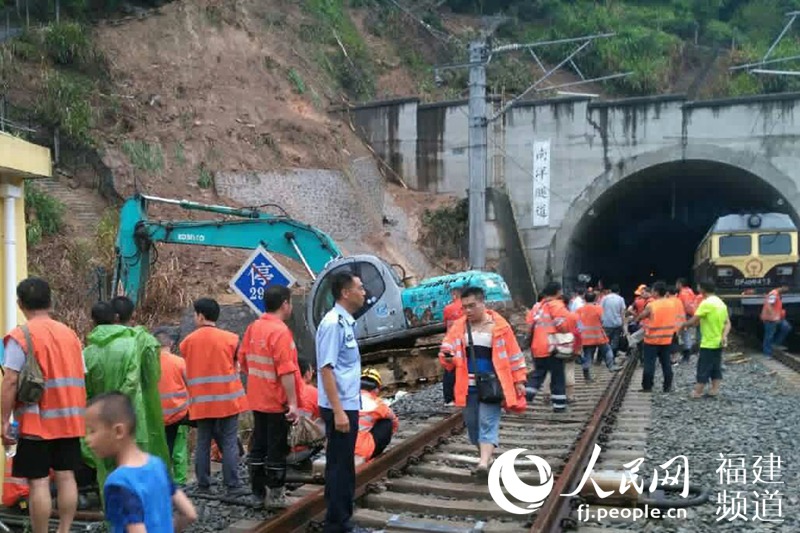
(126, 359)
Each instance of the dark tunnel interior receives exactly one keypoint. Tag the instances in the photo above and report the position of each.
(647, 227)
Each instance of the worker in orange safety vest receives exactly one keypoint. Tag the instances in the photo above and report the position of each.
(307, 398)
(452, 312)
(216, 395)
(642, 298)
(309, 408)
(550, 317)
(593, 336)
(376, 421)
(49, 430)
(773, 315)
(659, 329)
(172, 388)
(273, 392)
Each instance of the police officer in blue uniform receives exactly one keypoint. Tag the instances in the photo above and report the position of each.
(339, 382)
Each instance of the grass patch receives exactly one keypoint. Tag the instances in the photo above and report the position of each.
(67, 43)
(347, 58)
(106, 238)
(44, 215)
(444, 230)
(297, 82)
(205, 179)
(144, 156)
(65, 104)
(180, 156)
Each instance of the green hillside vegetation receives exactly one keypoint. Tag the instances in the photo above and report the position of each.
(652, 36)
(666, 44)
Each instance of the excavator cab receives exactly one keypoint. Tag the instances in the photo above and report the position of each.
(393, 312)
(382, 313)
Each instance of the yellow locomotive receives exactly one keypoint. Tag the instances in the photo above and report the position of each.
(746, 256)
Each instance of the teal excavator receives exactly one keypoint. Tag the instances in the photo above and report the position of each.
(392, 310)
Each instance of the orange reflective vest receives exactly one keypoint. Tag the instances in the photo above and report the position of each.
(549, 317)
(14, 488)
(773, 312)
(688, 297)
(307, 401)
(660, 326)
(507, 359)
(59, 414)
(172, 388)
(680, 312)
(269, 353)
(373, 409)
(215, 389)
(592, 332)
(452, 312)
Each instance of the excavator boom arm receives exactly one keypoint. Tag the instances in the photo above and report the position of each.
(277, 234)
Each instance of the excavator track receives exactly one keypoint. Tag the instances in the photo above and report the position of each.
(406, 367)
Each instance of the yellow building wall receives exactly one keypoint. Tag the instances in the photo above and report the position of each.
(19, 160)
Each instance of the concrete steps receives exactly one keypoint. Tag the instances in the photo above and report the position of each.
(84, 207)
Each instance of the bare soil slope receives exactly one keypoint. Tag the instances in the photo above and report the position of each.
(209, 82)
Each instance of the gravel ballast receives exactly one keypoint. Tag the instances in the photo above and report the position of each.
(755, 415)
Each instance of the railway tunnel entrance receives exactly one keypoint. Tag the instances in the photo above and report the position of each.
(646, 227)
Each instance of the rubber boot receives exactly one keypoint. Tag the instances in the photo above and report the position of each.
(587, 375)
(275, 498)
(258, 479)
(715, 384)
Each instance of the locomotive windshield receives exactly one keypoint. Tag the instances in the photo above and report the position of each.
(775, 244)
(734, 245)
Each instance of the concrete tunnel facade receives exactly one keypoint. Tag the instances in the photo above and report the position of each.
(635, 183)
(643, 220)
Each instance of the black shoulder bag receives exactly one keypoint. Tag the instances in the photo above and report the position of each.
(489, 389)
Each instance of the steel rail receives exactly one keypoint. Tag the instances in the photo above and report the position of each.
(786, 359)
(311, 508)
(557, 508)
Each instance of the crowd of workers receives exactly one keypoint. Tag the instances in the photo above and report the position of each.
(142, 398)
(663, 324)
(126, 400)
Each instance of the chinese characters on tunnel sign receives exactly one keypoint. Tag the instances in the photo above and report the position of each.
(541, 183)
(258, 272)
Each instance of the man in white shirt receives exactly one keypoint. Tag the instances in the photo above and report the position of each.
(577, 301)
(613, 312)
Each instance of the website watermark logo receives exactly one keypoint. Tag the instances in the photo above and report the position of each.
(739, 481)
(535, 495)
(503, 476)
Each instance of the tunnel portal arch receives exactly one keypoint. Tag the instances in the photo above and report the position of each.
(642, 220)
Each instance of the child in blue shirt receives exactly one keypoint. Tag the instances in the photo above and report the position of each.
(139, 494)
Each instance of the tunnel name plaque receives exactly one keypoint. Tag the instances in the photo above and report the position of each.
(541, 183)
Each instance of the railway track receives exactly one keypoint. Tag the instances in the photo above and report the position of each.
(425, 484)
